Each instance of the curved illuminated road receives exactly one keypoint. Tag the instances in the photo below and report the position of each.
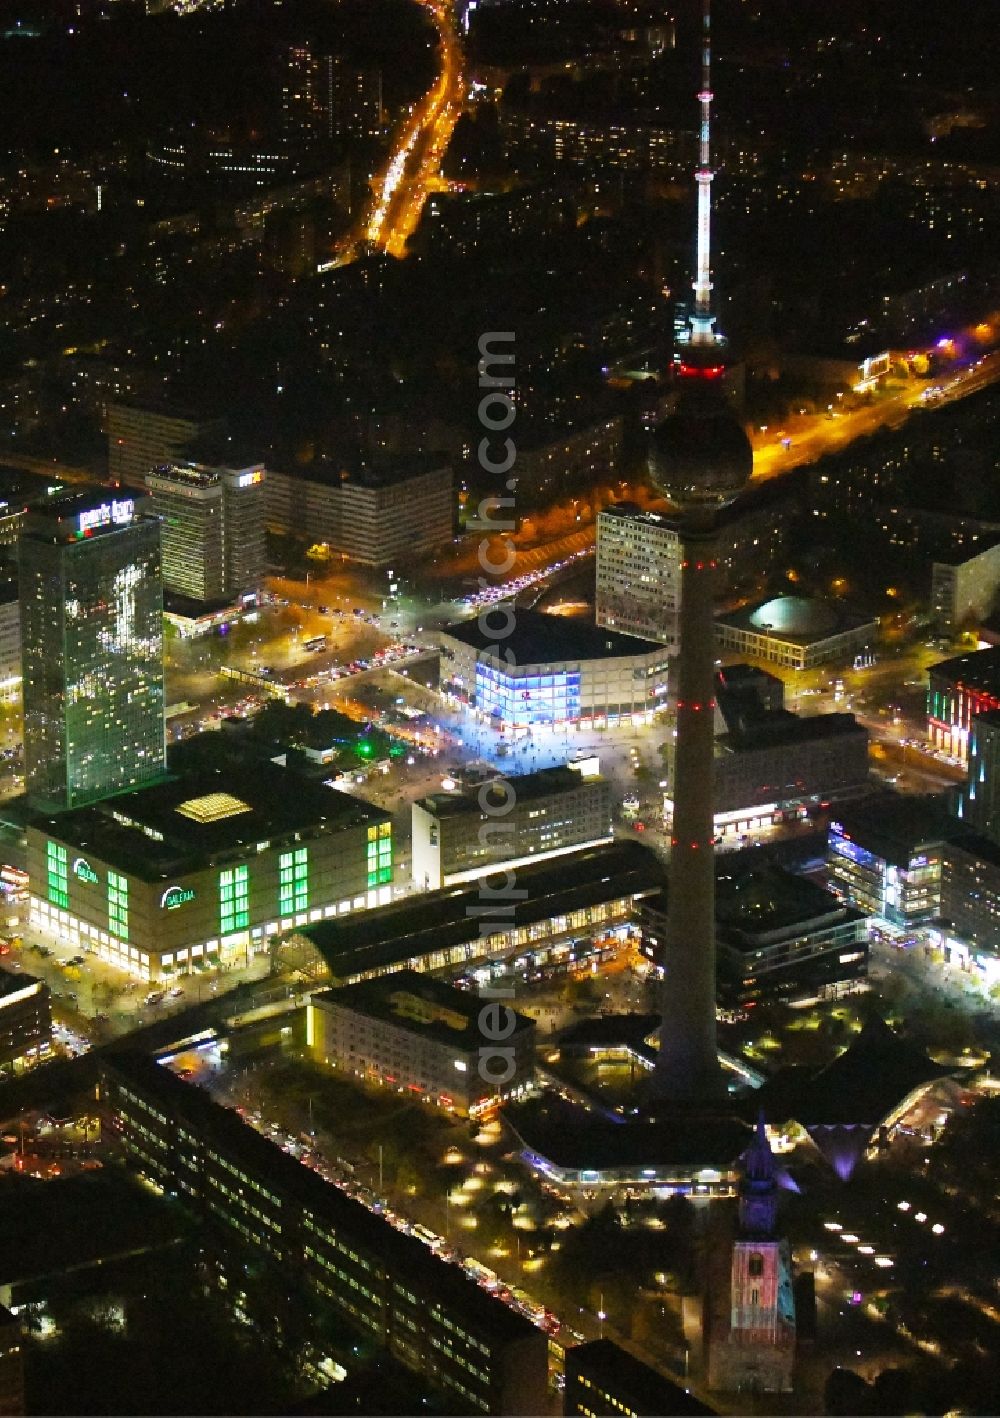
(413, 170)
(805, 439)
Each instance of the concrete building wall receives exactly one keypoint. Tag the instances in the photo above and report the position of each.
(140, 439)
(610, 691)
(386, 1052)
(966, 590)
(638, 577)
(172, 923)
(823, 766)
(758, 645)
(10, 647)
(374, 524)
(449, 847)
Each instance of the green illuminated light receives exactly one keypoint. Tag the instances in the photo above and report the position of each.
(118, 905)
(293, 882)
(234, 900)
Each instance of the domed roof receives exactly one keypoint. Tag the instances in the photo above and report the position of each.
(794, 615)
(700, 454)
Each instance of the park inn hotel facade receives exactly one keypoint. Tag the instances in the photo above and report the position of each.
(205, 868)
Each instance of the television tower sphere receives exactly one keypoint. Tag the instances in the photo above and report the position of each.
(700, 455)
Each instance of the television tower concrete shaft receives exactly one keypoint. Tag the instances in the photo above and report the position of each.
(688, 1063)
(703, 321)
(700, 457)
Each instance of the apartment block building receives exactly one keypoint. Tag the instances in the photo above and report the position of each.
(459, 836)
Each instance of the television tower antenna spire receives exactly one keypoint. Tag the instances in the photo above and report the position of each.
(703, 321)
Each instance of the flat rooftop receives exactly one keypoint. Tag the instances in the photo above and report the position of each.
(528, 787)
(436, 1280)
(538, 639)
(776, 727)
(982, 849)
(193, 818)
(404, 930)
(83, 512)
(646, 1391)
(353, 470)
(959, 556)
(420, 1005)
(764, 900)
(979, 669)
(578, 1139)
(896, 828)
(755, 905)
(753, 498)
(11, 981)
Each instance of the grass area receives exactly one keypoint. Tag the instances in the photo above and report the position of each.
(358, 1120)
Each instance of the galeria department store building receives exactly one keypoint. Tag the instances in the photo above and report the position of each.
(203, 869)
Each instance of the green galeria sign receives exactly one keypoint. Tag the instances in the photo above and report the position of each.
(84, 871)
(175, 896)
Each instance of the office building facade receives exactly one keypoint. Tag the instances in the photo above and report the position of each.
(964, 588)
(25, 1020)
(142, 438)
(779, 937)
(979, 802)
(969, 928)
(10, 644)
(639, 561)
(205, 869)
(606, 1381)
(886, 859)
(958, 690)
(552, 671)
(91, 602)
(481, 1355)
(377, 518)
(423, 1037)
(455, 837)
(639, 574)
(772, 765)
(213, 528)
(324, 97)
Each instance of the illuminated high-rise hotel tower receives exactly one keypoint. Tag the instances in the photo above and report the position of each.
(91, 598)
(699, 457)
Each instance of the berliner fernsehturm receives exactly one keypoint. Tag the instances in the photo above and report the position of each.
(699, 457)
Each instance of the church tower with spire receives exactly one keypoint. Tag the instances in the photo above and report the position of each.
(750, 1321)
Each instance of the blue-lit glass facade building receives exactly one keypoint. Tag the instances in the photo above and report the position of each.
(550, 671)
(900, 884)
